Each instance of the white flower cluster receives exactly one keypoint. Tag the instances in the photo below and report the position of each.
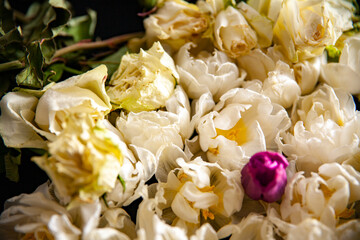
(214, 83)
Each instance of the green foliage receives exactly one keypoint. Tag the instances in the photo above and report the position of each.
(32, 57)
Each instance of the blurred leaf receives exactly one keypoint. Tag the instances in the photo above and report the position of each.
(12, 160)
(148, 4)
(45, 18)
(82, 27)
(11, 46)
(6, 20)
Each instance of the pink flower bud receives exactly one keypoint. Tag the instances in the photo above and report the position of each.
(264, 176)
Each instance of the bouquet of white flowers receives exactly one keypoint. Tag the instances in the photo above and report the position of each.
(224, 119)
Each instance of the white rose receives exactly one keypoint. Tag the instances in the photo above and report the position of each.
(150, 130)
(242, 123)
(261, 24)
(17, 126)
(82, 93)
(280, 86)
(175, 23)
(257, 64)
(207, 72)
(304, 29)
(311, 229)
(325, 129)
(324, 196)
(346, 73)
(35, 216)
(233, 35)
(253, 226)
(197, 193)
(151, 226)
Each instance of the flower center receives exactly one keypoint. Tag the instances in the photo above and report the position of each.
(238, 133)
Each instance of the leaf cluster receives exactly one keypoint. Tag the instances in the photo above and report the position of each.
(44, 45)
(30, 43)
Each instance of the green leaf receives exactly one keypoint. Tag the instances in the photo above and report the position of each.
(12, 160)
(27, 78)
(35, 93)
(54, 72)
(48, 48)
(32, 75)
(45, 19)
(112, 61)
(82, 27)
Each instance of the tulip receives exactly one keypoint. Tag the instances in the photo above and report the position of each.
(264, 176)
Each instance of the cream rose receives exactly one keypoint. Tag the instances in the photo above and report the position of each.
(206, 72)
(175, 23)
(81, 93)
(304, 29)
(143, 81)
(85, 159)
(232, 33)
(325, 129)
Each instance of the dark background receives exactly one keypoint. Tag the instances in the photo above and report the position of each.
(114, 17)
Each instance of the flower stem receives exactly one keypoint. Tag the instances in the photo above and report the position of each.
(98, 44)
(12, 65)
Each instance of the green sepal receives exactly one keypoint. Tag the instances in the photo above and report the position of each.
(123, 184)
(333, 53)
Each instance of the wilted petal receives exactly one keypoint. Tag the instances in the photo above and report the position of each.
(280, 86)
(307, 73)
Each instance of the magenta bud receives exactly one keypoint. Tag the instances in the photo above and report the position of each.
(264, 176)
